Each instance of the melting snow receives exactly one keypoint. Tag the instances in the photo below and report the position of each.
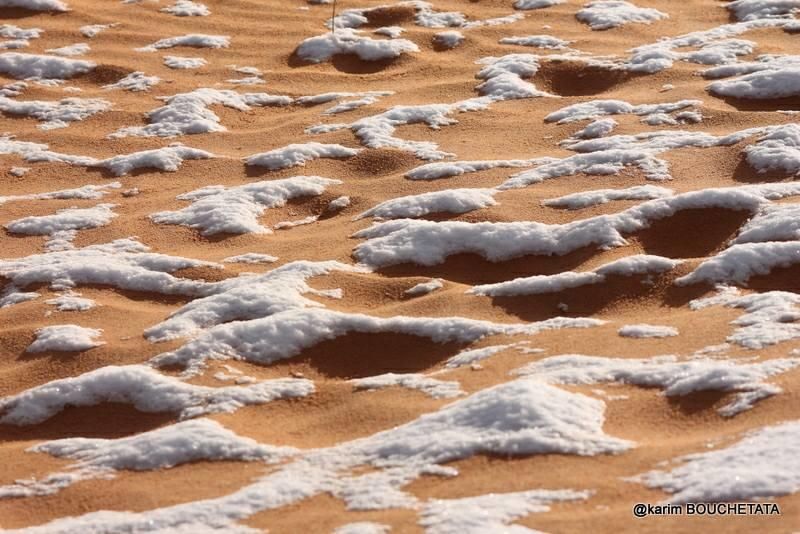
(62, 338)
(298, 154)
(438, 389)
(647, 331)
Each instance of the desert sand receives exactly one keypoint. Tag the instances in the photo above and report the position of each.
(678, 192)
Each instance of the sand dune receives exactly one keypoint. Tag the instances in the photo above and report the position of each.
(451, 267)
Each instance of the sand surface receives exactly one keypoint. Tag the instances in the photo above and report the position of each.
(265, 34)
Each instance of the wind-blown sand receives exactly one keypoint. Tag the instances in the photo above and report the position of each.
(315, 292)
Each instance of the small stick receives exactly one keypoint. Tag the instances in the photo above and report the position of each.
(333, 19)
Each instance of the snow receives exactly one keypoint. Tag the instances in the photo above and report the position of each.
(135, 81)
(287, 333)
(647, 331)
(338, 204)
(10, 31)
(71, 301)
(473, 356)
(606, 14)
(676, 378)
(188, 113)
(763, 84)
(777, 150)
(235, 210)
(538, 41)
(247, 297)
(187, 8)
(19, 65)
(363, 527)
(435, 171)
(516, 418)
(587, 199)
(144, 388)
(123, 264)
(35, 5)
(438, 389)
(595, 109)
(347, 41)
(196, 40)
(77, 49)
(55, 114)
(494, 512)
(780, 222)
(448, 200)
(392, 32)
(769, 317)
(298, 154)
(747, 10)
(740, 262)
(93, 30)
(536, 4)
(18, 172)
(541, 284)
(762, 464)
(430, 243)
(251, 257)
(597, 128)
(64, 219)
(88, 192)
(503, 77)
(62, 338)
(423, 288)
(165, 159)
(162, 448)
(448, 39)
(179, 62)
(361, 99)
(10, 295)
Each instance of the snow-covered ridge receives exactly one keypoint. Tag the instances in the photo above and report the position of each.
(146, 389)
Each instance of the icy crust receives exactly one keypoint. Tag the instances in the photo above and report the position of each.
(494, 512)
(587, 199)
(196, 40)
(235, 210)
(135, 81)
(606, 14)
(93, 30)
(676, 378)
(65, 338)
(640, 331)
(77, 49)
(541, 284)
(348, 41)
(356, 100)
(36, 5)
(144, 388)
(64, 219)
(163, 448)
(298, 154)
(769, 318)
(287, 333)
(762, 464)
(179, 62)
(446, 169)
(517, 418)
(423, 288)
(536, 4)
(595, 109)
(538, 41)
(187, 8)
(86, 192)
(189, 113)
(246, 297)
(122, 264)
(448, 200)
(430, 243)
(19, 65)
(438, 389)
